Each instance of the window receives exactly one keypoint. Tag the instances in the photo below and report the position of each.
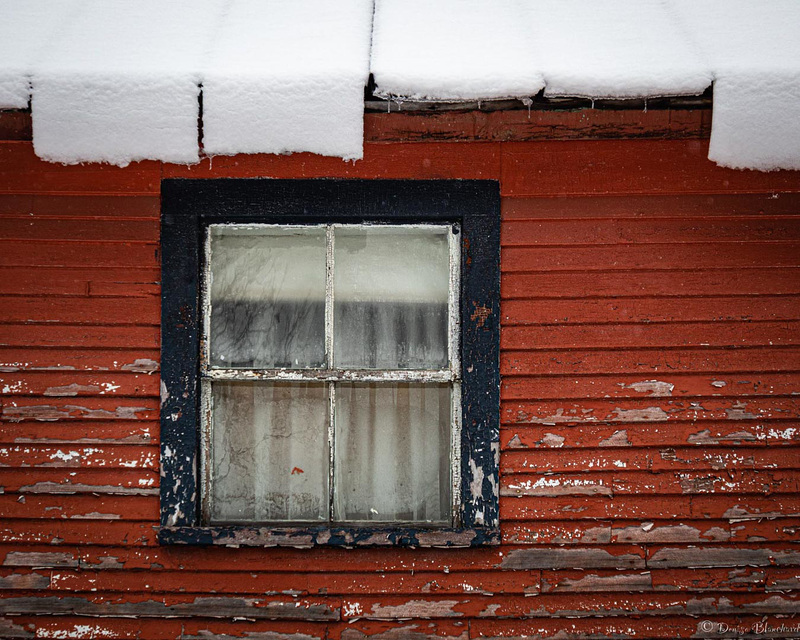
(330, 362)
(330, 378)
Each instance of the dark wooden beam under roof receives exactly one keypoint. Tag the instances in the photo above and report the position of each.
(538, 103)
(395, 120)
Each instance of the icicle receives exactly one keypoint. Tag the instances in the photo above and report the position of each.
(528, 102)
(592, 99)
(645, 105)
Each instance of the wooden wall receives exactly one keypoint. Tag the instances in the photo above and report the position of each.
(651, 416)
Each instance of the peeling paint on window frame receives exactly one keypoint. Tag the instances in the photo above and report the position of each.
(189, 207)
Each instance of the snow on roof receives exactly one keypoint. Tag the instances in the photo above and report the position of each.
(288, 76)
(119, 81)
(627, 49)
(25, 30)
(453, 50)
(753, 50)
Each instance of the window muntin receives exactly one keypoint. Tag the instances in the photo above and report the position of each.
(364, 319)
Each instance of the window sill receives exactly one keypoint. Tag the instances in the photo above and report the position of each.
(307, 537)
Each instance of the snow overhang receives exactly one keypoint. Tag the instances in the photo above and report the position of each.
(118, 81)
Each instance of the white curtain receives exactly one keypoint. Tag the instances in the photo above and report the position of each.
(392, 453)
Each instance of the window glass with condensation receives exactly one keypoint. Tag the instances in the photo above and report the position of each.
(330, 374)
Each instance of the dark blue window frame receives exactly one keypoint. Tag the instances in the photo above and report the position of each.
(189, 206)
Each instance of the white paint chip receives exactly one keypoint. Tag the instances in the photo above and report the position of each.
(654, 388)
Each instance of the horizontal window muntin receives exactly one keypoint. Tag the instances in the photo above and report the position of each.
(333, 375)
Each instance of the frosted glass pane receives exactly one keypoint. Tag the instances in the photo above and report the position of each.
(392, 453)
(269, 452)
(267, 297)
(390, 297)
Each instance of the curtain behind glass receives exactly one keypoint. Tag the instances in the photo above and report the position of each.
(267, 295)
(391, 288)
(269, 452)
(392, 453)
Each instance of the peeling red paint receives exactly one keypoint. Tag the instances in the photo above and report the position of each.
(650, 401)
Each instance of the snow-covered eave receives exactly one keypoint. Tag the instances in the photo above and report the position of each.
(538, 118)
(118, 81)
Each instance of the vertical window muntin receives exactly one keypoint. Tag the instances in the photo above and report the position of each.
(333, 377)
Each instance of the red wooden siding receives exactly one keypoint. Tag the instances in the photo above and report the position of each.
(650, 407)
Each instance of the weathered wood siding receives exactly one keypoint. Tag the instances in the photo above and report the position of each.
(651, 416)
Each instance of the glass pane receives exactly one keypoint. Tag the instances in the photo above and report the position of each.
(392, 453)
(269, 452)
(267, 297)
(390, 297)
